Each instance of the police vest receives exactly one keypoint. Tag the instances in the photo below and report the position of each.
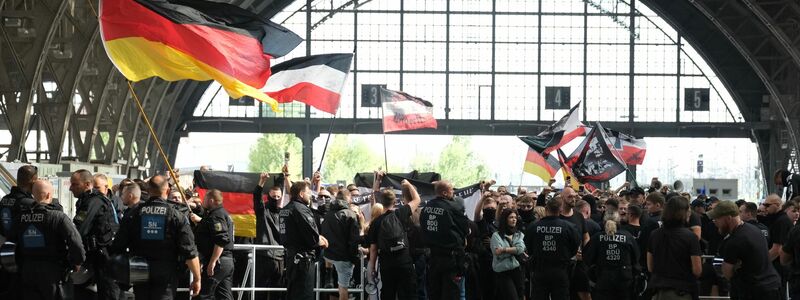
(152, 235)
(438, 227)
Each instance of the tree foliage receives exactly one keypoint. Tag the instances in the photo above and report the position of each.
(347, 156)
(456, 163)
(268, 152)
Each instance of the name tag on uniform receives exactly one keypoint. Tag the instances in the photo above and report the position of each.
(32, 238)
(152, 227)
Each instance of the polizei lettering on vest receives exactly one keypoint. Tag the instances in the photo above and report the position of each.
(154, 210)
(548, 229)
(613, 238)
(32, 218)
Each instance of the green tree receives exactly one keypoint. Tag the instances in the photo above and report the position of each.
(268, 152)
(347, 156)
(456, 163)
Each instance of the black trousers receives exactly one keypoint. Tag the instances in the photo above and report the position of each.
(300, 278)
(443, 278)
(486, 277)
(155, 290)
(510, 285)
(218, 286)
(107, 289)
(40, 280)
(550, 283)
(398, 283)
(269, 273)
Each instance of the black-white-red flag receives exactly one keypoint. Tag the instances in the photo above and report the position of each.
(595, 160)
(402, 111)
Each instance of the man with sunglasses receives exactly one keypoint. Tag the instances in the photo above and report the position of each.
(779, 225)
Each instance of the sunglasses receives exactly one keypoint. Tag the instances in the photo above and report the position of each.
(768, 204)
(324, 197)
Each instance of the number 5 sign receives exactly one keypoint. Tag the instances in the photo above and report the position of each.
(695, 99)
(371, 95)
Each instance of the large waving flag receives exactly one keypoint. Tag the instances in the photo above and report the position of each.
(544, 167)
(557, 135)
(629, 148)
(198, 40)
(237, 195)
(402, 111)
(315, 80)
(594, 160)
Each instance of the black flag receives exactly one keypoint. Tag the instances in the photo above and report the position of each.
(594, 160)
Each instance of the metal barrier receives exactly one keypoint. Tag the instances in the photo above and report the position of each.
(250, 275)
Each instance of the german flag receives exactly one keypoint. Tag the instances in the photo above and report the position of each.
(237, 195)
(536, 164)
(198, 40)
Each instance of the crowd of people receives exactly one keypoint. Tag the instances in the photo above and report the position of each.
(549, 244)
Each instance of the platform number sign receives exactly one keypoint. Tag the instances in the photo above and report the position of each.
(695, 99)
(557, 97)
(371, 95)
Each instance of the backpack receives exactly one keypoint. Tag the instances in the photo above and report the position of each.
(392, 235)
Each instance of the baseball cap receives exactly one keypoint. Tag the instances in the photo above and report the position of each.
(724, 208)
(696, 203)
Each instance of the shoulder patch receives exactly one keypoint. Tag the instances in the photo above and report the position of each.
(218, 226)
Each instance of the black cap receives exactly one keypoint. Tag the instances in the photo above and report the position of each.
(698, 203)
(636, 191)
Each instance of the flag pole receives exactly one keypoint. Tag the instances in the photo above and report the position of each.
(158, 143)
(328, 139)
(385, 157)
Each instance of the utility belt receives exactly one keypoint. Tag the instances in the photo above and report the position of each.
(298, 257)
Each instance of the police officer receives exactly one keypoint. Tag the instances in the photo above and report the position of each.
(162, 236)
(131, 197)
(96, 220)
(746, 260)
(215, 245)
(10, 205)
(552, 243)
(613, 257)
(444, 230)
(42, 234)
(19, 197)
(300, 237)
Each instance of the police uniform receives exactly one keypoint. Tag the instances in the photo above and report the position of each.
(96, 220)
(552, 243)
(300, 237)
(614, 261)
(444, 230)
(216, 229)
(42, 234)
(10, 206)
(156, 232)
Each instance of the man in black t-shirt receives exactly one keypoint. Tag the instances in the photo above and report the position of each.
(673, 254)
(579, 280)
(748, 213)
(396, 266)
(779, 226)
(744, 251)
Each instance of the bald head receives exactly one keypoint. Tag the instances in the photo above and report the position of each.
(773, 204)
(100, 182)
(444, 189)
(569, 197)
(158, 187)
(43, 191)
